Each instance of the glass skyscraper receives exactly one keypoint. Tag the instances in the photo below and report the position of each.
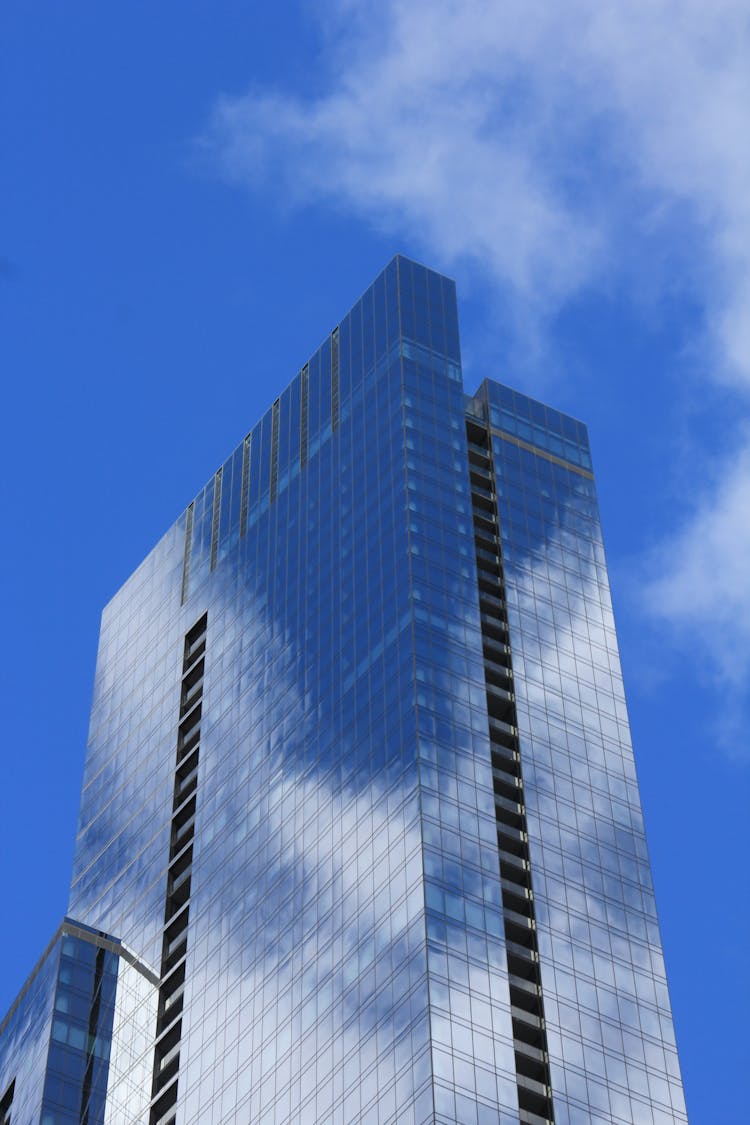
(360, 837)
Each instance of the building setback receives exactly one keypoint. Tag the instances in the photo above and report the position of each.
(360, 836)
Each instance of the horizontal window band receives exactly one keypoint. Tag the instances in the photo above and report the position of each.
(521, 444)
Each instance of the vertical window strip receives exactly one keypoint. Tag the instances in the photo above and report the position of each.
(6, 1104)
(533, 1077)
(335, 379)
(218, 482)
(304, 380)
(188, 553)
(179, 877)
(274, 449)
(245, 486)
(96, 1002)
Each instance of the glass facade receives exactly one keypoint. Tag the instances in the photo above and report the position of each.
(73, 1045)
(294, 801)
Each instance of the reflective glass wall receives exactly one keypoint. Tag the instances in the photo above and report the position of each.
(609, 1027)
(306, 988)
(306, 995)
(24, 1041)
(73, 1045)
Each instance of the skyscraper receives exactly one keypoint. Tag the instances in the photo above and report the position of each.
(360, 836)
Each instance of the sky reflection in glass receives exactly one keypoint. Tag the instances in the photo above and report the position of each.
(346, 956)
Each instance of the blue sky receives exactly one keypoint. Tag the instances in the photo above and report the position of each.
(191, 196)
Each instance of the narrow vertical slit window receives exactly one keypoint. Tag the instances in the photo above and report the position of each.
(188, 553)
(274, 450)
(179, 875)
(335, 379)
(533, 1078)
(303, 390)
(245, 486)
(6, 1104)
(218, 479)
(96, 1001)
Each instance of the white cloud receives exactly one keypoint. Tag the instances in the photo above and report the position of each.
(528, 139)
(708, 576)
(700, 585)
(554, 148)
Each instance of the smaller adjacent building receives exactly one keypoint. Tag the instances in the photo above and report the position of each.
(72, 1046)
